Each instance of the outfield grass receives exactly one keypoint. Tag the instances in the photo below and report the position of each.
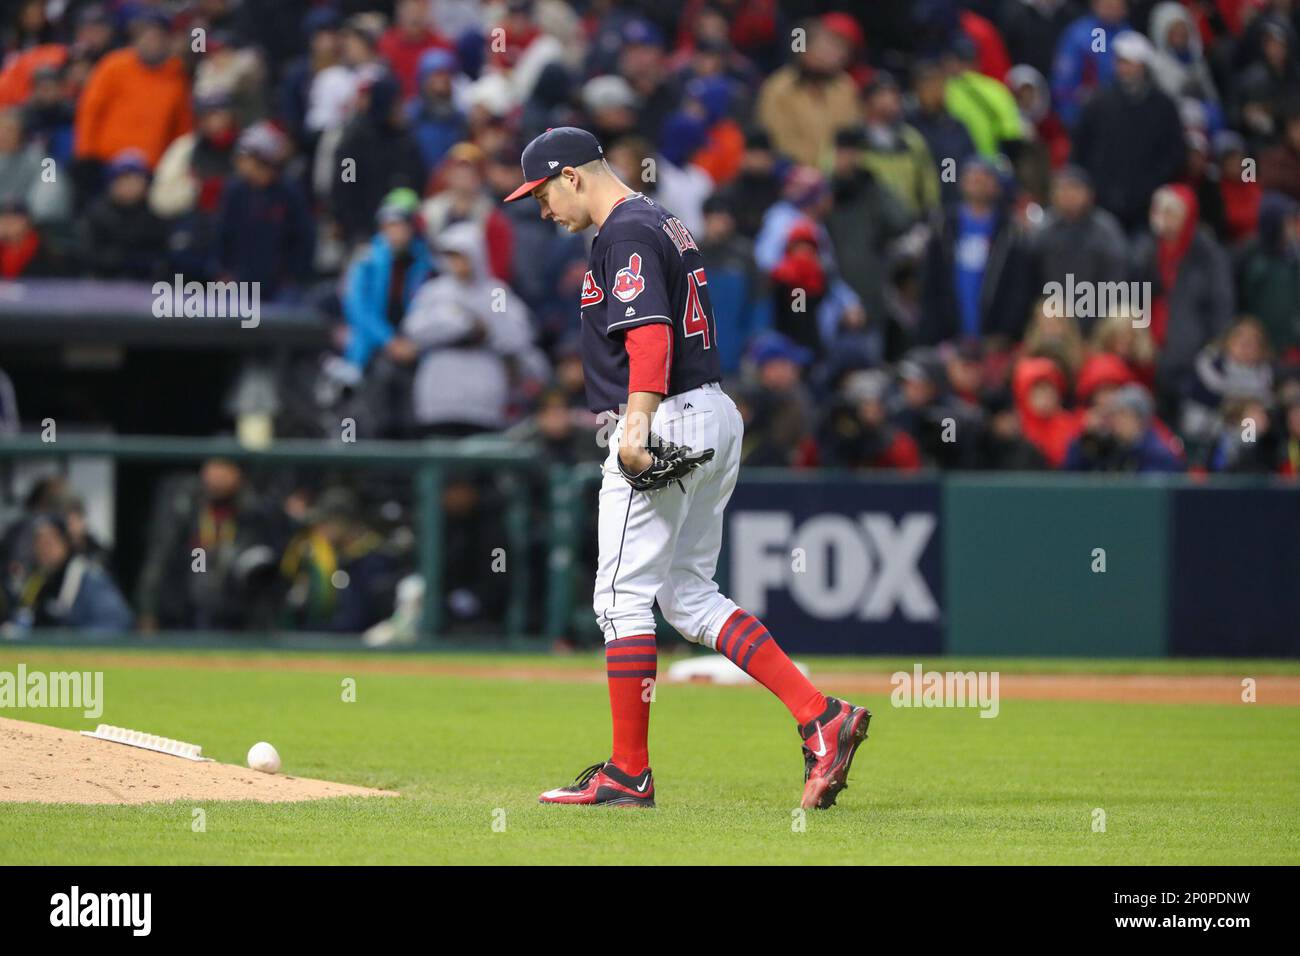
(1178, 784)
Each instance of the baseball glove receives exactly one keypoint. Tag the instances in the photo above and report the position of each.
(669, 463)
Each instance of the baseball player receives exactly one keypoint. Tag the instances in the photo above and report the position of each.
(649, 353)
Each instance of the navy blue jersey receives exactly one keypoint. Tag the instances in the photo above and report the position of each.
(645, 268)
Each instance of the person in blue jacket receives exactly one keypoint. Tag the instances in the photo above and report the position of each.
(1083, 60)
(381, 283)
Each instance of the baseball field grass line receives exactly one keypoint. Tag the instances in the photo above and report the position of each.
(1176, 783)
(145, 654)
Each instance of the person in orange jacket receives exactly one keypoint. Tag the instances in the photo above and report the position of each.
(136, 98)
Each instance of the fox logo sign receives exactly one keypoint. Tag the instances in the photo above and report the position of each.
(628, 282)
(834, 565)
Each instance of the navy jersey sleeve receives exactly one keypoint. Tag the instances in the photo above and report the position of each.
(638, 290)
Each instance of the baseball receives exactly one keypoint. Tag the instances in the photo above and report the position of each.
(262, 756)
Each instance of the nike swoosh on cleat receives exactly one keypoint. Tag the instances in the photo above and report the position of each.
(821, 740)
(644, 783)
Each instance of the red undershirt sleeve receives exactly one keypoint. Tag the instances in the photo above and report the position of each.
(649, 358)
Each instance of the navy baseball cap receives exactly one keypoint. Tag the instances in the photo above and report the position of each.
(550, 152)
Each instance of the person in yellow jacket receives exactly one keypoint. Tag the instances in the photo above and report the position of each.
(136, 98)
(984, 105)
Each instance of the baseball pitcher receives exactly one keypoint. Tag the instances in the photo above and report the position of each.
(650, 356)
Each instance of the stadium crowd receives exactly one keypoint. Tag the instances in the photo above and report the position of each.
(890, 201)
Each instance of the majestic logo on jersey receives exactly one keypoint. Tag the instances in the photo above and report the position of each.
(591, 293)
(628, 282)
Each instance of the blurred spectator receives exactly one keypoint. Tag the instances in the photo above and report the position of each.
(1192, 297)
(436, 122)
(1046, 145)
(375, 155)
(236, 73)
(473, 339)
(1249, 440)
(23, 250)
(895, 153)
(734, 281)
(136, 98)
(1271, 80)
(68, 590)
(381, 284)
(339, 575)
(1269, 272)
(945, 136)
(293, 101)
(1040, 390)
(1032, 29)
(947, 429)
(1238, 367)
(1279, 165)
(27, 175)
(802, 104)
(406, 42)
(121, 237)
(1239, 195)
(48, 116)
(975, 271)
(641, 61)
(191, 178)
(776, 406)
(1179, 66)
(1128, 338)
(983, 104)
(1119, 437)
(702, 133)
(264, 232)
(856, 432)
(1078, 239)
(1130, 137)
(210, 560)
(558, 432)
(758, 184)
(1084, 62)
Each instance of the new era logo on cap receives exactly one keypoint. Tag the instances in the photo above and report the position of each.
(552, 151)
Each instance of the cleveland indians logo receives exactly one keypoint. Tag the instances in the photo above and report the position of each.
(628, 282)
(591, 293)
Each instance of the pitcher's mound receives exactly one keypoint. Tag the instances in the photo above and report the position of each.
(40, 764)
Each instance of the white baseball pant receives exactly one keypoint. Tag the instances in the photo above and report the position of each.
(663, 545)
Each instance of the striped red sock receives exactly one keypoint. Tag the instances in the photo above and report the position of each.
(631, 664)
(745, 642)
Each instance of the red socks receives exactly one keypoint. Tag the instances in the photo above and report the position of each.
(629, 661)
(745, 642)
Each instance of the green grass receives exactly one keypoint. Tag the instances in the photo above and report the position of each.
(1178, 784)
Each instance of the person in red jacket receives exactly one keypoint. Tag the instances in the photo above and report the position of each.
(1040, 389)
(407, 40)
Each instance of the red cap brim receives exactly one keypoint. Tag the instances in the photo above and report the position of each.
(525, 189)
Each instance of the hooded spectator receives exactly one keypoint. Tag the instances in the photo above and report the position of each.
(120, 236)
(975, 271)
(436, 122)
(264, 233)
(1046, 144)
(473, 339)
(377, 155)
(983, 104)
(1179, 66)
(1263, 90)
(136, 98)
(1130, 137)
(1269, 273)
(1192, 296)
(802, 104)
(1040, 390)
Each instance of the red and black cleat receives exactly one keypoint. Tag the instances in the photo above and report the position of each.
(606, 785)
(829, 743)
